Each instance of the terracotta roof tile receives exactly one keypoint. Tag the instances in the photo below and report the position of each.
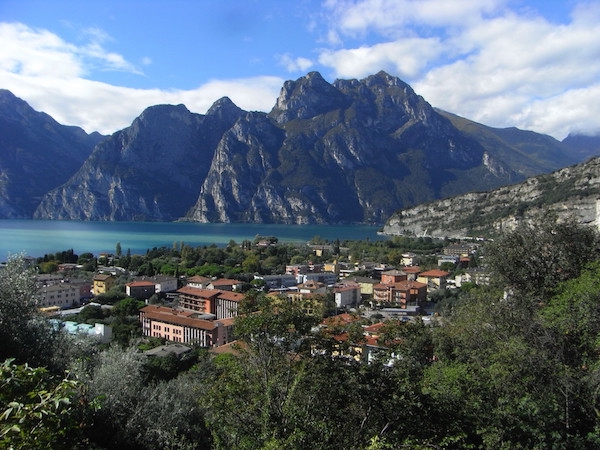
(178, 317)
(434, 273)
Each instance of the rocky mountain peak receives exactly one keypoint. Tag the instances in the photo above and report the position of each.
(382, 78)
(36, 154)
(154, 114)
(224, 108)
(14, 108)
(305, 98)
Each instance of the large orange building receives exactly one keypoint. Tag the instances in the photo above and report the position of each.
(185, 327)
(222, 304)
(404, 293)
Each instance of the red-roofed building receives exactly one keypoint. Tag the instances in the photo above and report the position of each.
(464, 261)
(142, 290)
(392, 276)
(184, 326)
(197, 299)
(223, 304)
(373, 330)
(226, 304)
(402, 294)
(312, 287)
(434, 279)
(347, 294)
(411, 272)
(341, 320)
(198, 281)
(224, 284)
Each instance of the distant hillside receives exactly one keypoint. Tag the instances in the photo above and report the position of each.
(533, 152)
(583, 147)
(351, 151)
(572, 191)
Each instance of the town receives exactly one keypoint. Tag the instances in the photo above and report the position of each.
(199, 310)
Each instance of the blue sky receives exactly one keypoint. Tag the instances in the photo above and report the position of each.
(534, 64)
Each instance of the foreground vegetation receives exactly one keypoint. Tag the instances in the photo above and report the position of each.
(511, 365)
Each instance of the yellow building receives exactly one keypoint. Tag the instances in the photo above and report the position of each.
(103, 283)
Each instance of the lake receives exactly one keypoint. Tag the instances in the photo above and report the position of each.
(39, 237)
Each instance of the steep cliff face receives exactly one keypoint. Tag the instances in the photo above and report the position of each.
(348, 152)
(573, 191)
(152, 170)
(36, 155)
(243, 160)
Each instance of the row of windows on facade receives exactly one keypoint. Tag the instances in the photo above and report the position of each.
(60, 296)
(166, 330)
(173, 338)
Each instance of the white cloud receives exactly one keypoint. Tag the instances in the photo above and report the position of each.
(405, 58)
(97, 106)
(30, 52)
(517, 69)
(295, 64)
(486, 63)
(48, 73)
(389, 17)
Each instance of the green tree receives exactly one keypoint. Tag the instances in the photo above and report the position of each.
(49, 267)
(127, 307)
(25, 335)
(536, 256)
(572, 321)
(115, 383)
(511, 376)
(251, 264)
(249, 402)
(170, 414)
(90, 313)
(37, 410)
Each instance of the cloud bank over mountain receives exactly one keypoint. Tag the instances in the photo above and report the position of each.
(524, 63)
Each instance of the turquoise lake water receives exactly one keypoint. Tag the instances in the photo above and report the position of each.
(39, 237)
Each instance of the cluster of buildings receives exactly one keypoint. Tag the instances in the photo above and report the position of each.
(205, 307)
(57, 291)
(204, 315)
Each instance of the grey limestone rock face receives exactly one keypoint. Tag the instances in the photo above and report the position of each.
(151, 170)
(570, 192)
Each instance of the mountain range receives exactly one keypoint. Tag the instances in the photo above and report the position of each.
(351, 151)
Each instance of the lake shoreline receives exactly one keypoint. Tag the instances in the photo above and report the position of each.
(36, 237)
